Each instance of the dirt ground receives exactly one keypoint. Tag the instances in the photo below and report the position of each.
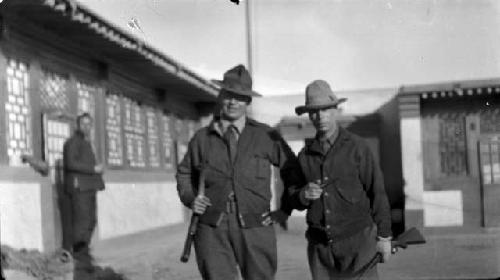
(155, 255)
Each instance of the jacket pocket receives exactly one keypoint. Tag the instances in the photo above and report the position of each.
(262, 168)
(351, 195)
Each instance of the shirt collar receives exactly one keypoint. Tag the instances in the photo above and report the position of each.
(332, 137)
(220, 125)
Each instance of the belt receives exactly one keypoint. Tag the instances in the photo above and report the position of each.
(318, 235)
(322, 236)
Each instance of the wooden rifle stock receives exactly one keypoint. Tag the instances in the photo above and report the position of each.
(409, 237)
(193, 225)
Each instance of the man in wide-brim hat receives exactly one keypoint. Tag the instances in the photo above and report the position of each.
(235, 153)
(348, 213)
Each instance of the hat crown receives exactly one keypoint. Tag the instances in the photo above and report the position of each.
(319, 93)
(238, 78)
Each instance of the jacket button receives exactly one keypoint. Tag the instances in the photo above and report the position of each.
(327, 226)
(327, 211)
(325, 194)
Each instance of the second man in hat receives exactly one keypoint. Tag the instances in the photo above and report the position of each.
(348, 213)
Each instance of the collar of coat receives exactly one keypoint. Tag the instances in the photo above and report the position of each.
(343, 136)
(216, 126)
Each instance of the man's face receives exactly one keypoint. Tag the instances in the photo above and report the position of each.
(324, 120)
(85, 126)
(234, 106)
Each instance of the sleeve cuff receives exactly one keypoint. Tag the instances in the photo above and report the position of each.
(303, 198)
(380, 238)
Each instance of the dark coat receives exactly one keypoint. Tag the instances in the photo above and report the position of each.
(354, 196)
(79, 162)
(259, 146)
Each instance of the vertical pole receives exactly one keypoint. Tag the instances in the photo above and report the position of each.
(248, 27)
(248, 17)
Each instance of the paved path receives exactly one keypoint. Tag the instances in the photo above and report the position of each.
(155, 255)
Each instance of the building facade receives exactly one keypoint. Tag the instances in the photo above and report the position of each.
(57, 60)
(450, 155)
(438, 147)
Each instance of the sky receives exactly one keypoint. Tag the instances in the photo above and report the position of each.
(352, 44)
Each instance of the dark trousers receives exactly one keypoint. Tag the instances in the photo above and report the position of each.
(345, 258)
(219, 250)
(84, 217)
(66, 213)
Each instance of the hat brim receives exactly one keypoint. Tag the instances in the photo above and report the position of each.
(299, 110)
(250, 93)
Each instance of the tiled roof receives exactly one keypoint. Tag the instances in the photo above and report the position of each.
(95, 29)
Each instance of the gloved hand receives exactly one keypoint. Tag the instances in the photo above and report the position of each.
(384, 247)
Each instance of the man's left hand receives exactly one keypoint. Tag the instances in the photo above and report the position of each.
(384, 248)
(277, 216)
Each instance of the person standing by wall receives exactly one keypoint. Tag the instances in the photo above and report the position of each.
(348, 212)
(82, 179)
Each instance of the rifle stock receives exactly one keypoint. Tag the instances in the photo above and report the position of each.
(190, 238)
(193, 225)
(409, 237)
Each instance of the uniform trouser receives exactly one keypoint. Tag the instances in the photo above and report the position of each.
(84, 217)
(66, 213)
(344, 259)
(219, 250)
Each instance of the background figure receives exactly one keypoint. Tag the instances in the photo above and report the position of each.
(82, 179)
(348, 213)
(235, 153)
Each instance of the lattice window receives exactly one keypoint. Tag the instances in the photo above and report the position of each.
(53, 91)
(168, 144)
(86, 103)
(153, 137)
(134, 126)
(490, 120)
(86, 98)
(113, 130)
(57, 132)
(18, 113)
(452, 144)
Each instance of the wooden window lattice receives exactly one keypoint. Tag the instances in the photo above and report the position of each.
(153, 137)
(134, 133)
(57, 133)
(168, 143)
(53, 91)
(86, 98)
(490, 121)
(113, 130)
(86, 103)
(18, 113)
(452, 144)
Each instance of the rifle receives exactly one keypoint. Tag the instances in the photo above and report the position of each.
(409, 237)
(193, 225)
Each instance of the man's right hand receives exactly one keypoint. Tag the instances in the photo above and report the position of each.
(200, 204)
(313, 190)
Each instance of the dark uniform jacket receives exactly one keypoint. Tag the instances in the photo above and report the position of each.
(354, 196)
(249, 176)
(79, 162)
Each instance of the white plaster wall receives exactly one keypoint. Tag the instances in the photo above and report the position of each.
(412, 162)
(296, 145)
(443, 208)
(20, 215)
(125, 208)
